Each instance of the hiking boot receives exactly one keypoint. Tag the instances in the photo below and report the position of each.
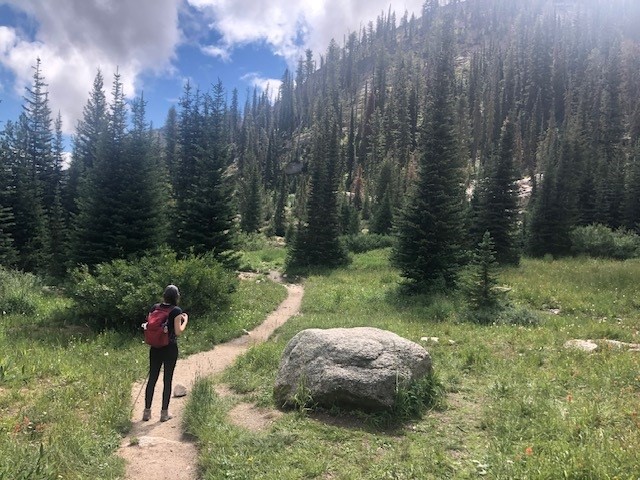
(146, 414)
(164, 415)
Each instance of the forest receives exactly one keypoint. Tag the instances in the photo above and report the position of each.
(519, 118)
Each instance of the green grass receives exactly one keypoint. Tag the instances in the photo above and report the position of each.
(251, 304)
(64, 390)
(517, 404)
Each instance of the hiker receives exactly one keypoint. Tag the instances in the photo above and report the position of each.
(166, 356)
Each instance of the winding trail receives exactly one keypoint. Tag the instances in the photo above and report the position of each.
(157, 451)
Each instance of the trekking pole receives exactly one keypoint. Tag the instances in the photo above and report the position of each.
(138, 396)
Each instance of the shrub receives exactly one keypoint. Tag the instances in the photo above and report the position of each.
(601, 241)
(365, 242)
(251, 242)
(18, 292)
(117, 295)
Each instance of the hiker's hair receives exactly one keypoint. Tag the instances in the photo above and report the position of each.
(171, 295)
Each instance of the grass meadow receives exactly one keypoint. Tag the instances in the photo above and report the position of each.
(513, 402)
(510, 401)
(65, 391)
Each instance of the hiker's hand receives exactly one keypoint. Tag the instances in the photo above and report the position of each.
(185, 319)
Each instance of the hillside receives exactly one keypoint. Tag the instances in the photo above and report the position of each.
(538, 89)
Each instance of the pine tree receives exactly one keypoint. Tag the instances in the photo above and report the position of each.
(206, 217)
(279, 223)
(497, 204)
(553, 212)
(317, 241)
(146, 192)
(58, 221)
(40, 138)
(428, 251)
(632, 198)
(383, 209)
(8, 253)
(100, 233)
(30, 182)
(481, 293)
(251, 201)
(171, 141)
(88, 134)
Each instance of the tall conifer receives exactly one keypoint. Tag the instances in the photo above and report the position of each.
(428, 251)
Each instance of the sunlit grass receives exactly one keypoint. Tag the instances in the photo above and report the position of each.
(65, 391)
(518, 403)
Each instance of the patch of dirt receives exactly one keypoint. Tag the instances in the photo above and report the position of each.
(159, 451)
(253, 418)
(248, 415)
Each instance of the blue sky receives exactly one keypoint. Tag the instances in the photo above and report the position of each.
(158, 45)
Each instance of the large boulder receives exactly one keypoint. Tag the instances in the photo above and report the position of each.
(354, 367)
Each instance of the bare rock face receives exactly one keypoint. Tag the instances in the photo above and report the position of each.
(353, 367)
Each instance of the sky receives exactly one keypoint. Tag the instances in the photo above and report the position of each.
(158, 45)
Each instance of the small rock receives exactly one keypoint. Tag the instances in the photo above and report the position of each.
(584, 345)
(179, 391)
(430, 339)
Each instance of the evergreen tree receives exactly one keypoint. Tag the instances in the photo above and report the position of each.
(481, 293)
(145, 194)
(497, 204)
(279, 224)
(251, 201)
(58, 226)
(317, 241)
(206, 216)
(8, 253)
(383, 209)
(632, 198)
(552, 208)
(428, 251)
(89, 131)
(171, 142)
(31, 177)
(40, 139)
(100, 234)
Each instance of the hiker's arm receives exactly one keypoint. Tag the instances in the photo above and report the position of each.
(180, 323)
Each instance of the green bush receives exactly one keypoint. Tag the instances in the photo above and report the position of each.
(18, 292)
(602, 242)
(365, 242)
(117, 295)
(251, 242)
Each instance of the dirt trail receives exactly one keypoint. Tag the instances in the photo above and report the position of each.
(160, 451)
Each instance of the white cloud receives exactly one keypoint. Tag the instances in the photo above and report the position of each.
(216, 51)
(75, 38)
(289, 27)
(272, 85)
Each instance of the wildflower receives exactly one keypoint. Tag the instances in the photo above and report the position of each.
(528, 451)
(569, 398)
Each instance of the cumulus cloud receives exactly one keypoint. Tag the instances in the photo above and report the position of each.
(289, 27)
(75, 38)
(270, 85)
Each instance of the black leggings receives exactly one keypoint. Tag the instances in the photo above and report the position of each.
(167, 356)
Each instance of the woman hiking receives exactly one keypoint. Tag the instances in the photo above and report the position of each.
(165, 356)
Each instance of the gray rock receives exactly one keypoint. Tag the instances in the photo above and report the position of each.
(584, 345)
(593, 345)
(179, 391)
(355, 367)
